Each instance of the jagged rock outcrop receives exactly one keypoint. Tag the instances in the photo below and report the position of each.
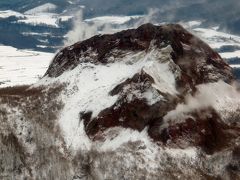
(189, 52)
(146, 103)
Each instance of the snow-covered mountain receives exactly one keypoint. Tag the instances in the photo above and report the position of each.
(154, 102)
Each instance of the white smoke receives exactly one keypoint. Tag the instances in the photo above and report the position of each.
(83, 29)
(148, 18)
(224, 98)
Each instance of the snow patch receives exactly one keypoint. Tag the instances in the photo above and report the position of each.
(177, 153)
(111, 19)
(120, 136)
(229, 55)
(22, 67)
(164, 79)
(9, 13)
(48, 19)
(65, 18)
(191, 24)
(217, 39)
(235, 66)
(48, 7)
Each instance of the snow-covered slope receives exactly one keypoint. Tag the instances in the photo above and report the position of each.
(125, 106)
(47, 19)
(45, 8)
(9, 13)
(111, 19)
(215, 38)
(22, 67)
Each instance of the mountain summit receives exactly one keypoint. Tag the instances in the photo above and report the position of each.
(154, 102)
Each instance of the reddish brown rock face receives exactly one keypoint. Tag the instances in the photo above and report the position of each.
(203, 128)
(189, 52)
(192, 62)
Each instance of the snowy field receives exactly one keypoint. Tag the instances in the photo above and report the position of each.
(22, 67)
(41, 15)
(215, 38)
(218, 39)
